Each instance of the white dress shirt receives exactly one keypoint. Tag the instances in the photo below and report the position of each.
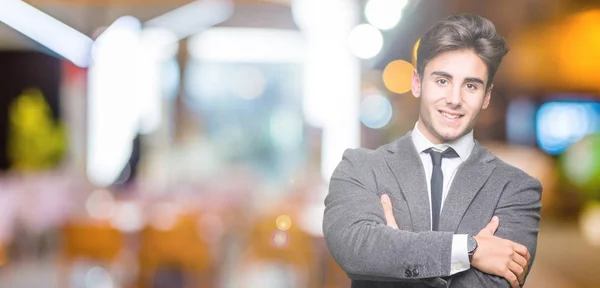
(463, 146)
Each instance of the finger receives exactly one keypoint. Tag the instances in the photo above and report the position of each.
(522, 250)
(520, 260)
(517, 271)
(493, 225)
(512, 279)
(388, 212)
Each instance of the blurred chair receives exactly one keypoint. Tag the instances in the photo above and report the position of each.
(172, 255)
(98, 241)
(93, 241)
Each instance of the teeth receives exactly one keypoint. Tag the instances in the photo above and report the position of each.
(451, 116)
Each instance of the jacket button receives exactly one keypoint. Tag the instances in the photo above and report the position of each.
(408, 273)
(415, 272)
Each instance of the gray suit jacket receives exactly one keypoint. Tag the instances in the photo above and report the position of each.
(374, 255)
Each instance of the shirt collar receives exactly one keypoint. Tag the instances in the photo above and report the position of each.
(463, 145)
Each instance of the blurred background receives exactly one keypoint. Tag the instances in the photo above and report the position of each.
(189, 143)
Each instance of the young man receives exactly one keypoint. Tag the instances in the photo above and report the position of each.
(434, 208)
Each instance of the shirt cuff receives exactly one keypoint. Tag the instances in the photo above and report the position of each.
(459, 260)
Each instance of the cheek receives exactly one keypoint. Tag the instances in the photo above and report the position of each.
(473, 103)
(433, 95)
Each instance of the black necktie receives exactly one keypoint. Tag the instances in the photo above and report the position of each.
(437, 183)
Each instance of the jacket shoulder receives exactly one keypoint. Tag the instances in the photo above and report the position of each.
(363, 156)
(513, 173)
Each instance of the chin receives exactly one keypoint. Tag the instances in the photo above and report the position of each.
(450, 134)
(450, 138)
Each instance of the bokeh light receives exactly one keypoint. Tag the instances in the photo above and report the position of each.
(559, 124)
(97, 277)
(283, 222)
(397, 76)
(280, 239)
(375, 111)
(581, 164)
(128, 217)
(365, 41)
(100, 204)
(590, 223)
(164, 216)
(317, 14)
(384, 14)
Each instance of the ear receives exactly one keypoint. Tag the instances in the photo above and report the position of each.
(416, 84)
(488, 97)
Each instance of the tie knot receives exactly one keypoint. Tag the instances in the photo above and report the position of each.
(436, 157)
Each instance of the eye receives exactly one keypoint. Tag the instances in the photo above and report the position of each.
(471, 86)
(442, 81)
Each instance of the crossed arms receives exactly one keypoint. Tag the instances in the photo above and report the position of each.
(367, 249)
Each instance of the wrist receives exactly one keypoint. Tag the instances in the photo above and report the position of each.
(472, 245)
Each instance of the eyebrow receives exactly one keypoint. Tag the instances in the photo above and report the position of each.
(447, 75)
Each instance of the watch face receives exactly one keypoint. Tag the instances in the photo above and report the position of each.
(471, 243)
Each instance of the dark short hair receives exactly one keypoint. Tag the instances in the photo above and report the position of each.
(459, 32)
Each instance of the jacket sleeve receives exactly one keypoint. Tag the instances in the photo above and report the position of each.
(519, 212)
(361, 243)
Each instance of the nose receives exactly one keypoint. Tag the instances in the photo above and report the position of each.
(453, 98)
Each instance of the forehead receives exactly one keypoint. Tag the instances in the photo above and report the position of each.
(459, 63)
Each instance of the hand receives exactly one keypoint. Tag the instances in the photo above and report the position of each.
(500, 257)
(388, 211)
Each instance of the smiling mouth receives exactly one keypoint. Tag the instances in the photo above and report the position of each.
(450, 115)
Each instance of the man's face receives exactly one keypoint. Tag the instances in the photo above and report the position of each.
(453, 92)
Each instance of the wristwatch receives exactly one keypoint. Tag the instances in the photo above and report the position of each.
(471, 246)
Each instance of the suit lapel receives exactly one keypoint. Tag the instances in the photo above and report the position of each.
(468, 181)
(406, 165)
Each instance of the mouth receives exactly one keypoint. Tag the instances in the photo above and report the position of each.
(450, 115)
